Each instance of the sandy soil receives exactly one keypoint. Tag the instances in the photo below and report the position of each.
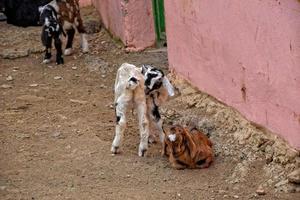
(57, 125)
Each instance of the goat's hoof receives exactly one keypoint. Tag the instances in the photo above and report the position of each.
(59, 61)
(68, 52)
(85, 48)
(142, 152)
(46, 61)
(114, 150)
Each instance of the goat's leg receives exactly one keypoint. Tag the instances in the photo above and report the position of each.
(151, 139)
(150, 104)
(174, 162)
(58, 44)
(159, 123)
(70, 33)
(82, 32)
(156, 117)
(120, 109)
(144, 128)
(47, 56)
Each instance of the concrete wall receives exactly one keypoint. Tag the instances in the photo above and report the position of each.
(131, 21)
(245, 53)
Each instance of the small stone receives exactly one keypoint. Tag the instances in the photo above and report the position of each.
(2, 187)
(23, 136)
(294, 177)
(62, 116)
(225, 195)
(57, 135)
(5, 86)
(14, 54)
(291, 154)
(236, 196)
(178, 194)
(74, 68)
(58, 78)
(103, 86)
(9, 78)
(33, 85)
(128, 176)
(260, 191)
(281, 183)
(103, 76)
(78, 101)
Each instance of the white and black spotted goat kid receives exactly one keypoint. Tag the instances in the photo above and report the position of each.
(51, 30)
(157, 89)
(129, 91)
(145, 88)
(61, 17)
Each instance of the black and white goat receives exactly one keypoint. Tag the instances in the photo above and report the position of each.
(61, 17)
(146, 88)
(157, 89)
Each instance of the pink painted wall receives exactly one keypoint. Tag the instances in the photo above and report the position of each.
(112, 16)
(227, 47)
(84, 3)
(131, 21)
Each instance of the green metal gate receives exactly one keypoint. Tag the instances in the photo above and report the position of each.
(159, 20)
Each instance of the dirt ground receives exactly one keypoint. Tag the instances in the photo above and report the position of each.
(57, 125)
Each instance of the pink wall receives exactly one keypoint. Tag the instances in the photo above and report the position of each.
(131, 21)
(245, 53)
(112, 17)
(84, 3)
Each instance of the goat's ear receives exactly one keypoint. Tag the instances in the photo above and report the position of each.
(41, 8)
(168, 86)
(144, 69)
(42, 17)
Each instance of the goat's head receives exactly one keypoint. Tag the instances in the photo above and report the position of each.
(155, 79)
(48, 17)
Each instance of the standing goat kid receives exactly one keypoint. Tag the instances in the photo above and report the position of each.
(129, 89)
(61, 17)
(157, 89)
(146, 88)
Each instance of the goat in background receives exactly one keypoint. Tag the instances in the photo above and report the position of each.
(61, 17)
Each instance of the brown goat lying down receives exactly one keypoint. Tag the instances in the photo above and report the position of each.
(187, 149)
